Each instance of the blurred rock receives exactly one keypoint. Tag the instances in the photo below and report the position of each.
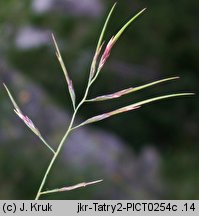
(90, 8)
(42, 6)
(30, 37)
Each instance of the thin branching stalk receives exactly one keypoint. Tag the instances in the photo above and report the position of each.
(62, 143)
(44, 141)
(56, 154)
(97, 65)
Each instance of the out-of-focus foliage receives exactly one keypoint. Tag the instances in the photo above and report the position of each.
(161, 43)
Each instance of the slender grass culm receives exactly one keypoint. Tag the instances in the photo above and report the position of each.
(100, 57)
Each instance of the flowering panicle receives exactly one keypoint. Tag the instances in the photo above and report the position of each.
(95, 69)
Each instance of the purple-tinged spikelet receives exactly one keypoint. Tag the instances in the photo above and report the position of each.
(106, 53)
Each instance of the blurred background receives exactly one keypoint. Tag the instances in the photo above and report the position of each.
(150, 153)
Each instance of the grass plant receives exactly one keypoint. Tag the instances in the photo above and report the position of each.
(101, 55)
